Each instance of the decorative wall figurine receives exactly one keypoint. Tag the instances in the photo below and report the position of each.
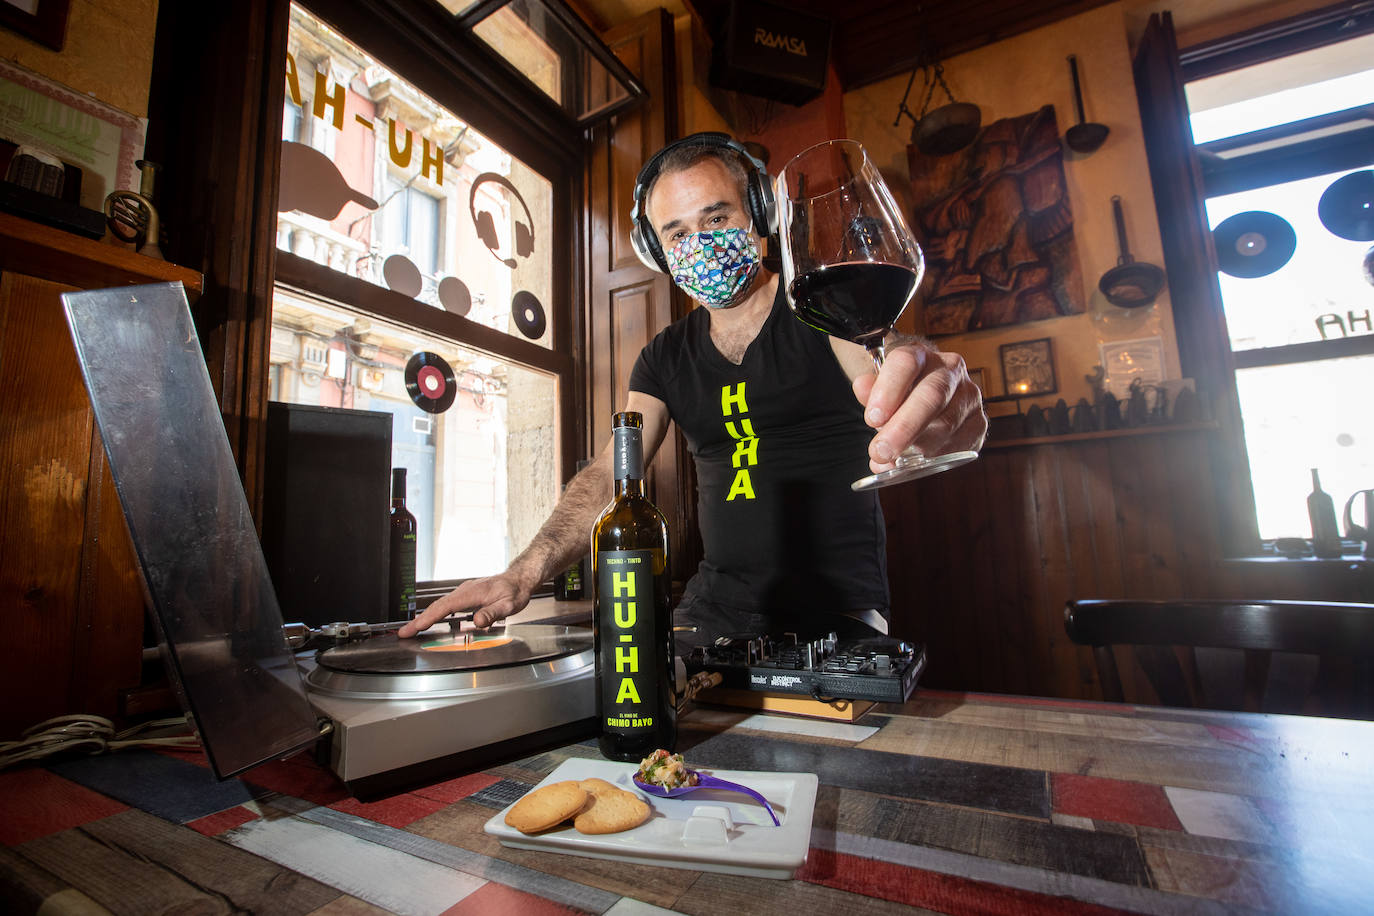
(997, 230)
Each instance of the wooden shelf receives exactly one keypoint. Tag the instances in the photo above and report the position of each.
(46, 253)
(1102, 434)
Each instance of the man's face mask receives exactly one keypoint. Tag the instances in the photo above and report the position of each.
(715, 267)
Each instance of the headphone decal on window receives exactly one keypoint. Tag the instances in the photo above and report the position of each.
(485, 223)
(759, 200)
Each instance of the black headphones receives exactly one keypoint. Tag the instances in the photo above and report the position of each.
(486, 225)
(763, 209)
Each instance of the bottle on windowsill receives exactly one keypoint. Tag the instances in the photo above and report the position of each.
(1326, 537)
(401, 581)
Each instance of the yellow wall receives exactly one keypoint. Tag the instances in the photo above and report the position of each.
(1015, 77)
(108, 52)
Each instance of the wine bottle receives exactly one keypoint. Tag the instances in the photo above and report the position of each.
(1326, 537)
(401, 588)
(632, 629)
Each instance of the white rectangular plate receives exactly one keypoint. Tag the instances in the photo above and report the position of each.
(753, 846)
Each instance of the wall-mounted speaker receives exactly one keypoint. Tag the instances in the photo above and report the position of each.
(772, 52)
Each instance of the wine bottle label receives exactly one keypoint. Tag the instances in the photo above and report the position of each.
(628, 641)
(629, 454)
(405, 601)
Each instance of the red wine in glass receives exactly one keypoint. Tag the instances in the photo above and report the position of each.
(857, 301)
(850, 266)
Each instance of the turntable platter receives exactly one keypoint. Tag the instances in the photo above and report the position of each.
(462, 651)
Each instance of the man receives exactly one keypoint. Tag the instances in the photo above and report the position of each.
(776, 433)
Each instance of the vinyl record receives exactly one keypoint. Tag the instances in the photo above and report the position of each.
(430, 382)
(468, 650)
(1254, 243)
(528, 315)
(454, 296)
(1346, 207)
(401, 275)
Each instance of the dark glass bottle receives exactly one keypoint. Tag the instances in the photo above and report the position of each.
(635, 704)
(1326, 537)
(400, 591)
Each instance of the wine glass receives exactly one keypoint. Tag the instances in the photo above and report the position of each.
(850, 265)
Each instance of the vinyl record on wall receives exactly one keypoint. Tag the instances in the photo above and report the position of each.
(528, 314)
(1346, 207)
(1254, 243)
(430, 382)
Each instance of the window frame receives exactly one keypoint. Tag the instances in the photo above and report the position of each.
(402, 35)
(1284, 153)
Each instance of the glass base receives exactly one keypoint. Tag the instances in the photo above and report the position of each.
(913, 469)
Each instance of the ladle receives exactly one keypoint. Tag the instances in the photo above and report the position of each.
(706, 781)
(1085, 136)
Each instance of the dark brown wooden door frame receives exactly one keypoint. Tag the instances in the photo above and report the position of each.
(627, 304)
(1204, 345)
(215, 125)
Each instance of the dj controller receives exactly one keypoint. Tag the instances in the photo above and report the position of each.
(880, 669)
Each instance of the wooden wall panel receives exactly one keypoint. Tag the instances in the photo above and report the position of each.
(71, 604)
(627, 302)
(983, 559)
(71, 597)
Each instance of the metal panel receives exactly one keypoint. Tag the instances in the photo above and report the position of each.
(202, 565)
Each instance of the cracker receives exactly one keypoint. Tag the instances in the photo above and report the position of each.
(547, 807)
(609, 809)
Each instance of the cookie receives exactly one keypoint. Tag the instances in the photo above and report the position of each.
(609, 809)
(546, 807)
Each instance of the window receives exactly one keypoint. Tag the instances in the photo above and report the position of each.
(406, 229)
(1273, 137)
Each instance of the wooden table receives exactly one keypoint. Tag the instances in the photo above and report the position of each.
(951, 803)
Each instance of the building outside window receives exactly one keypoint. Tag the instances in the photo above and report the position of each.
(408, 196)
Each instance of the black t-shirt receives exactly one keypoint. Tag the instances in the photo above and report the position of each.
(777, 441)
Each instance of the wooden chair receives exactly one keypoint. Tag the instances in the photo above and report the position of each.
(1339, 681)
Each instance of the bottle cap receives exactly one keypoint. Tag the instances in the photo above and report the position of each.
(630, 418)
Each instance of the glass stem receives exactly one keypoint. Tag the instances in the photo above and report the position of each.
(909, 455)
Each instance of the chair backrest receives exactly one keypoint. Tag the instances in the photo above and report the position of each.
(1316, 628)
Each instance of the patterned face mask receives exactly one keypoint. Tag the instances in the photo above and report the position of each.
(715, 267)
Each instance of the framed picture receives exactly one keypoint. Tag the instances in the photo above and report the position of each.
(1028, 368)
(1124, 361)
(980, 377)
(45, 21)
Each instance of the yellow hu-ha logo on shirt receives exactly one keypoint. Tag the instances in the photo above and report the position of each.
(740, 428)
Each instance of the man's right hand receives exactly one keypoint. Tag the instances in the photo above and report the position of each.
(491, 599)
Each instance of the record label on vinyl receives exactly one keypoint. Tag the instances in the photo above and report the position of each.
(1254, 243)
(430, 382)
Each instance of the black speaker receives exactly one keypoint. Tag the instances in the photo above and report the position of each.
(772, 52)
(326, 498)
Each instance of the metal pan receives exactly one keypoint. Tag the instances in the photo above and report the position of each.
(1129, 284)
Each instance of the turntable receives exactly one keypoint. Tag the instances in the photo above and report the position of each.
(450, 700)
(385, 712)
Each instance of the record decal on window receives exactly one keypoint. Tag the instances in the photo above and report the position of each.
(430, 382)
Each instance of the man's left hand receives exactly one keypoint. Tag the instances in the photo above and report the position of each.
(924, 398)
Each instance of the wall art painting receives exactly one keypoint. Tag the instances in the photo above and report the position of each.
(995, 223)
